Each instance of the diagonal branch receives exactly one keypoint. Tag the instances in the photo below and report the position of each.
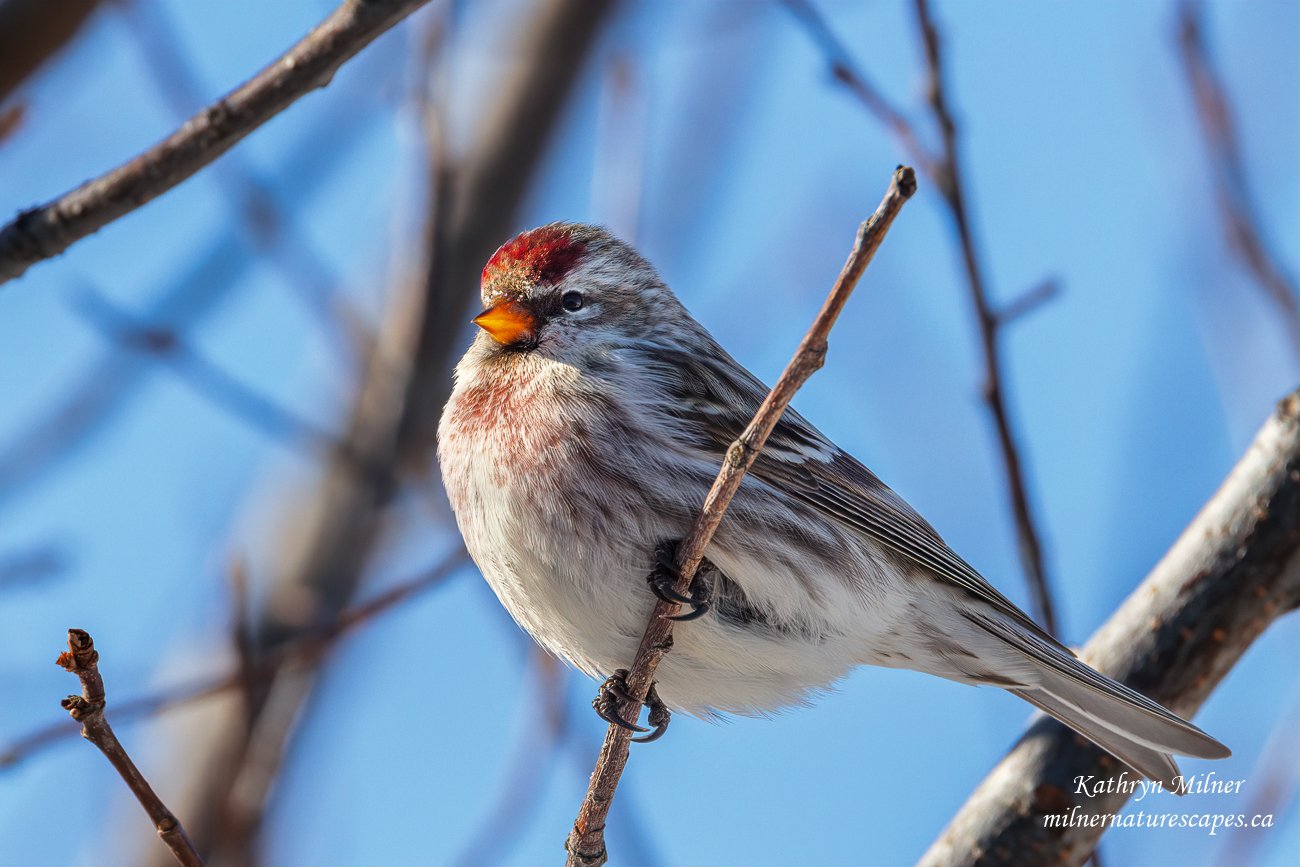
(82, 659)
(1232, 572)
(1240, 222)
(586, 843)
(46, 231)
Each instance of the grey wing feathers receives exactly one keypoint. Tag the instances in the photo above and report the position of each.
(800, 461)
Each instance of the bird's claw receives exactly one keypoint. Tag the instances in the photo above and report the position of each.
(613, 692)
(663, 579)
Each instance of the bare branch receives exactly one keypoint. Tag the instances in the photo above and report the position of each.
(586, 843)
(46, 231)
(109, 381)
(214, 384)
(82, 659)
(847, 72)
(1240, 223)
(302, 651)
(268, 228)
(1232, 572)
(1028, 302)
(945, 171)
(950, 182)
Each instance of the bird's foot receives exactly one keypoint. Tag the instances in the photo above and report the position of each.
(663, 578)
(613, 693)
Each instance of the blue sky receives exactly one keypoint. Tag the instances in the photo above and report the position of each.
(1134, 392)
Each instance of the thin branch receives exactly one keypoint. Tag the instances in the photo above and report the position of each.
(950, 182)
(242, 402)
(266, 225)
(82, 659)
(30, 566)
(586, 843)
(1240, 221)
(46, 231)
(847, 72)
(1232, 572)
(108, 382)
(302, 651)
(945, 171)
(1028, 302)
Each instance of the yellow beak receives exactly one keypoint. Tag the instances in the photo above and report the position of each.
(508, 323)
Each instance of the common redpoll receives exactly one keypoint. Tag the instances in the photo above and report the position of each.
(588, 420)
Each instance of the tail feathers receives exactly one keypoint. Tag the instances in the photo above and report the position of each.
(1133, 727)
(1141, 758)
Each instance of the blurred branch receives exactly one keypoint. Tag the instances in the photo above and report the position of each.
(945, 171)
(207, 379)
(846, 71)
(1274, 779)
(1232, 572)
(521, 791)
(1240, 221)
(108, 381)
(30, 35)
(1028, 302)
(31, 565)
(586, 843)
(46, 231)
(950, 182)
(392, 420)
(304, 650)
(268, 228)
(82, 659)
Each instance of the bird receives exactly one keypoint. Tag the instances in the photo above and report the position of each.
(588, 419)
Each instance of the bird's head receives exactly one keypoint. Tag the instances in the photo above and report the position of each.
(567, 287)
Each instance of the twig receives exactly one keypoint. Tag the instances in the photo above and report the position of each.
(949, 180)
(1028, 302)
(586, 843)
(106, 384)
(46, 231)
(945, 172)
(302, 650)
(847, 72)
(82, 659)
(1240, 222)
(209, 380)
(266, 225)
(1232, 572)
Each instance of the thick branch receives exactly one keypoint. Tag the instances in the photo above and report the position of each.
(82, 659)
(586, 843)
(46, 231)
(1233, 571)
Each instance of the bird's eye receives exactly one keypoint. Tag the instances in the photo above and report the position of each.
(572, 301)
